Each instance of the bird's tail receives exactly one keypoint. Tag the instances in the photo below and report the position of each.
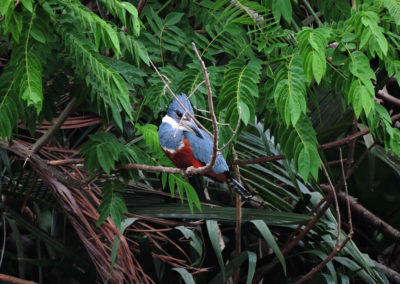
(238, 188)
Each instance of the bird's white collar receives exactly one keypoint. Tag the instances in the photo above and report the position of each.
(173, 123)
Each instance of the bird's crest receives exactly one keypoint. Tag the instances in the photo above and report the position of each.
(174, 106)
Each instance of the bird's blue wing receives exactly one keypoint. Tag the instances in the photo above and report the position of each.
(202, 151)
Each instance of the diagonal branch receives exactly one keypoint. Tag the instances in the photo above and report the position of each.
(210, 165)
(60, 120)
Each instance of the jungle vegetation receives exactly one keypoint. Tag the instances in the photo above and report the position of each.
(305, 95)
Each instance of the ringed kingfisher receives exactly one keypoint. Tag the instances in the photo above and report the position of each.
(185, 144)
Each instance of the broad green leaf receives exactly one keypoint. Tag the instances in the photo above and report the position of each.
(213, 233)
(269, 238)
(284, 8)
(186, 276)
(27, 4)
(252, 266)
(195, 241)
(223, 214)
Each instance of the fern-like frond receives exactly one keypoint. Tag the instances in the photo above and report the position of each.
(312, 47)
(9, 105)
(298, 142)
(126, 13)
(102, 31)
(239, 91)
(112, 203)
(103, 150)
(106, 81)
(290, 91)
(170, 37)
(28, 70)
(393, 6)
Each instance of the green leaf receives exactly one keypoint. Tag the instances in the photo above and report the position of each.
(290, 91)
(284, 8)
(252, 266)
(5, 5)
(269, 238)
(244, 110)
(186, 276)
(195, 241)
(173, 18)
(393, 7)
(111, 89)
(112, 203)
(213, 233)
(27, 4)
(102, 151)
(239, 91)
(223, 214)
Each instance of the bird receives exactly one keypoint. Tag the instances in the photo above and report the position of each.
(187, 145)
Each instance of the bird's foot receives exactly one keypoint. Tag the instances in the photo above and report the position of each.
(189, 171)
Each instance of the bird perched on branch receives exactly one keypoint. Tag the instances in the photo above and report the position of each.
(187, 145)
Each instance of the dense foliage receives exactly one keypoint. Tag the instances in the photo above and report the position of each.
(293, 78)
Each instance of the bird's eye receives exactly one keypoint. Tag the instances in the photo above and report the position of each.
(178, 113)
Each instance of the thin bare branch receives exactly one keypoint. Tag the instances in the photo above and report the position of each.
(195, 89)
(234, 132)
(337, 247)
(335, 199)
(14, 280)
(209, 166)
(238, 227)
(320, 148)
(50, 132)
(384, 95)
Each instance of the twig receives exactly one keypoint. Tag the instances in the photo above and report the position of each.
(147, 168)
(38, 164)
(238, 227)
(3, 247)
(14, 280)
(234, 132)
(384, 95)
(393, 275)
(287, 248)
(350, 171)
(354, 4)
(257, 17)
(329, 145)
(352, 146)
(337, 247)
(209, 166)
(310, 9)
(65, 162)
(195, 89)
(49, 133)
(370, 218)
(335, 199)
(140, 6)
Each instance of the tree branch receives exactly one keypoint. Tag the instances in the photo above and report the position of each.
(329, 145)
(384, 95)
(209, 166)
(38, 164)
(49, 133)
(14, 280)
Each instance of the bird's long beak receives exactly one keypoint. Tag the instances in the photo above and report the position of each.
(191, 125)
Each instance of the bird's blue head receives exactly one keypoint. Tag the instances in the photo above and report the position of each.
(176, 111)
(183, 116)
